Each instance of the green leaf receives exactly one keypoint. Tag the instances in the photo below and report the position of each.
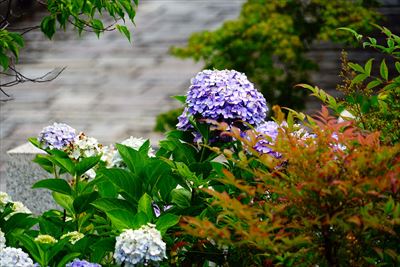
(122, 219)
(107, 204)
(48, 26)
(34, 141)
(132, 158)
(359, 78)
(166, 221)
(44, 162)
(126, 181)
(100, 248)
(397, 64)
(82, 202)
(68, 258)
(86, 164)
(145, 206)
(18, 221)
(373, 84)
(64, 201)
(56, 185)
(181, 197)
(124, 30)
(97, 26)
(4, 61)
(62, 160)
(368, 67)
(356, 67)
(31, 246)
(384, 70)
(180, 98)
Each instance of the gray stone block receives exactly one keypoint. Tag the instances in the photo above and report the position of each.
(21, 174)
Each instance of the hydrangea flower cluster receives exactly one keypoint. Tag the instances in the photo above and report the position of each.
(223, 95)
(14, 257)
(133, 142)
(4, 199)
(270, 129)
(2, 241)
(17, 207)
(83, 146)
(57, 136)
(45, 239)
(74, 236)
(141, 246)
(82, 263)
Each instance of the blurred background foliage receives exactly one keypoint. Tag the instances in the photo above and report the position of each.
(269, 42)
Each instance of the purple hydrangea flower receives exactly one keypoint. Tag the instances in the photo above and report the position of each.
(270, 129)
(82, 263)
(223, 95)
(57, 136)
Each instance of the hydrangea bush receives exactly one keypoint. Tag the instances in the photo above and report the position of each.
(295, 191)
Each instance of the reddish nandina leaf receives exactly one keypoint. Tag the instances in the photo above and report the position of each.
(356, 220)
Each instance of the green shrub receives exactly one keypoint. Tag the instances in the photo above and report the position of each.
(329, 200)
(371, 93)
(269, 41)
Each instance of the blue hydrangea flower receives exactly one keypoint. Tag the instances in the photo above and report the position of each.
(270, 129)
(82, 263)
(57, 136)
(223, 95)
(141, 246)
(14, 257)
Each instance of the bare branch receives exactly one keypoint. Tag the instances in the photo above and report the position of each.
(19, 78)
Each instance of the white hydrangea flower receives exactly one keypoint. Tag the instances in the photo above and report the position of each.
(45, 239)
(4, 199)
(345, 115)
(107, 156)
(134, 143)
(84, 146)
(18, 207)
(74, 236)
(2, 241)
(15, 257)
(141, 246)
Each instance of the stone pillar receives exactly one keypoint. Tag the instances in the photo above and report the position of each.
(22, 173)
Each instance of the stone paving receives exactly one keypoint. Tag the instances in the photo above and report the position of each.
(111, 89)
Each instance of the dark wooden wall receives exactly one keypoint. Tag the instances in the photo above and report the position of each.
(328, 55)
